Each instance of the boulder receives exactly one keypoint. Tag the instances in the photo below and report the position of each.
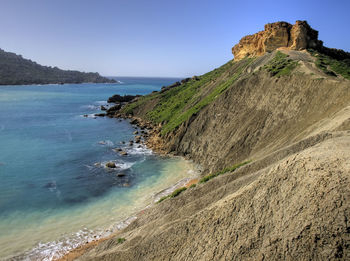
(123, 153)
(118, 98)
(103, 108)
(120, 175)
(100, 114)
(114, 108)
(111, 165)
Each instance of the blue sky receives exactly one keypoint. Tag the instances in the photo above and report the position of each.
(153, 37)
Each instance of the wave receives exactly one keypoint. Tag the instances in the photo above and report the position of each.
(138, 149)
(90, 107)
(57, 249)
(119, 165)
(106, 143)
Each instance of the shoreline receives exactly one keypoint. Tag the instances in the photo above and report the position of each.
(153, 142)
(69, 252)
(80, 250)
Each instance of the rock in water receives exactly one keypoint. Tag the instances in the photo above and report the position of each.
(123, 153)
(111, 165)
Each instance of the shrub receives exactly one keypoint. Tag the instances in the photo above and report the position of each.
(280, 65)
(121, 240)
(173, 195)
(223, 171)
(330, 65)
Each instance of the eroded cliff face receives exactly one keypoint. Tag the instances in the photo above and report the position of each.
(299, 36)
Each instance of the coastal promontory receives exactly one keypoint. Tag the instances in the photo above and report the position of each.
(16, 70)
(271, 132)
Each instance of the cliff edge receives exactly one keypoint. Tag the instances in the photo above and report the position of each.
(299, 36)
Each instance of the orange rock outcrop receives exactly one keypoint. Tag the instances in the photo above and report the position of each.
(280, 34)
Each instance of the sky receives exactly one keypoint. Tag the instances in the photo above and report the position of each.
(164, 38)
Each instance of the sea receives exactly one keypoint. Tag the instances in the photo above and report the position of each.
(55, 191)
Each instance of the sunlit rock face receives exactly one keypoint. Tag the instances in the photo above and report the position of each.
(276, 35)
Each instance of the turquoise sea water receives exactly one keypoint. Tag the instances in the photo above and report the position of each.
(53, 195)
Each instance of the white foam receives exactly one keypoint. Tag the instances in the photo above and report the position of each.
(92, 115)
(106, 142)
(125, 165)
(101, 102)
(134, 150)
(55, 249)
(90, 107)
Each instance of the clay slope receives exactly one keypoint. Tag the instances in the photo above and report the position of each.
(290, 203)
(294, 209)
(257, 114)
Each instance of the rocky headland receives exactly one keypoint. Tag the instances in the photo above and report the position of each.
(16, 70)
(271, 130)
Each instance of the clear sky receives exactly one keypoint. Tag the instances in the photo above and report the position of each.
(153, 37)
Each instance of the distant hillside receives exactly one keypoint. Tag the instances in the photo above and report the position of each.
(14, 69)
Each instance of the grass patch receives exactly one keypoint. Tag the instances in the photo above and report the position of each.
(121, 240)
(179, 103)
(331, 66)
(223, 171)
(173, 195)
(280, 65)
(193, 186)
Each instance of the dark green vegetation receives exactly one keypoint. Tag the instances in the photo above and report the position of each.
(121, 240)
(174, 194)
(280, 65)
(14, 69)
(178, 104)
(332, 66)
(223, 171)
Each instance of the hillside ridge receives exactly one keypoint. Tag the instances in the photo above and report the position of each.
(286, 113)
(16, 70)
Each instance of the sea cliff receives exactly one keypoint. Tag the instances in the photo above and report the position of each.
(285, 114)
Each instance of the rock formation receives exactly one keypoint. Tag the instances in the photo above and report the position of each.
(280, 34)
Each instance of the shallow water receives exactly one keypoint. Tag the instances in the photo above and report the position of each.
(53, 195)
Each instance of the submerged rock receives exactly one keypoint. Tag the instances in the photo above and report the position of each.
(121, 175)
(123, 153)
